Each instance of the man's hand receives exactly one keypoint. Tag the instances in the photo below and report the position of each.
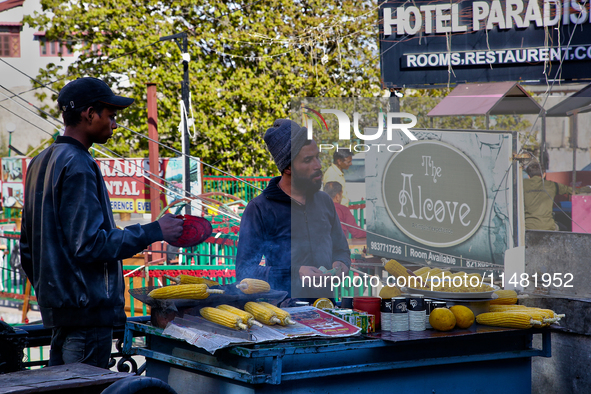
(171, 226)
(308, 270)
(341, 268)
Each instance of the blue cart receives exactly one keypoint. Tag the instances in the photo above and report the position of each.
(480, 360)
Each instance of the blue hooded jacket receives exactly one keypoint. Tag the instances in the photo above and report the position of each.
(284, 231)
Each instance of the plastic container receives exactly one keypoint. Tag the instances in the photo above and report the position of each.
(370, 305)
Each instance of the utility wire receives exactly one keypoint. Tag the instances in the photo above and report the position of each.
(158, 185)
(139, 134)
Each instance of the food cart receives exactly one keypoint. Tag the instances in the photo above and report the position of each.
(461, 360)
(481, 359)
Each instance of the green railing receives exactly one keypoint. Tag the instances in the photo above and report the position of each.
(226, 184)
(12, 281)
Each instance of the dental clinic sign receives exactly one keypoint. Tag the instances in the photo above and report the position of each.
(427, 199)
(483, 41)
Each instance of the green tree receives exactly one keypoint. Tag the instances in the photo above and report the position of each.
(247, 60)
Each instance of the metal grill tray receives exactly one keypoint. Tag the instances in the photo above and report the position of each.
(232, 296)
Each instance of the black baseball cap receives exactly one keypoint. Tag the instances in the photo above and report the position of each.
(83, 92)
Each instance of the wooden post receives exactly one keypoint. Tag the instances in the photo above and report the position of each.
(154, 159)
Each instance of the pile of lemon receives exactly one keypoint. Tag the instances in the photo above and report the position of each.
(443, 319)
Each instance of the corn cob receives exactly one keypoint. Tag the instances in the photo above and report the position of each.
(506, 308)
(253, 286)
(425, 274)
(193, 292)
(191, 280)
(396, 269)
(507, 319)
(262, 314)
(461, 274)
(389, 292)
(506, 297)
(247, 318)
(224, 318)
(282, 315)
(551, 313)
(476, 275)
(546, 316)
(422, 270)
(435, 271)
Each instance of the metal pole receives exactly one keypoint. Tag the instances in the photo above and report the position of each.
(543, 164)
(515, 192)
(187, 141)
(574, 122)
(184, 47)
(153, 155)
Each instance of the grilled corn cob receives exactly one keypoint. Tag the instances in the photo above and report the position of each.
(551, 313)
(507, 319)
(247, 318)
(224, 318)
(194, 292)
(253, 286)
(422, 270)
(262, 314)
(461, 274)
(506, 308)
(396, 269)
(282, 315)
(191, 280)
(476, 275)
(506, 297)
(389, 292)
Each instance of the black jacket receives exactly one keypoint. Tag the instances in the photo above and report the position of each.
(70, 247)
(289, 235)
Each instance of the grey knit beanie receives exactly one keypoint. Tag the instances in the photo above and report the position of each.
(285, 140)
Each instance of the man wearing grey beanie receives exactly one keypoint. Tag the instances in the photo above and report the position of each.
(292, 223)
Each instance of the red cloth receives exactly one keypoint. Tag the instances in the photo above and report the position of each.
(345, 216)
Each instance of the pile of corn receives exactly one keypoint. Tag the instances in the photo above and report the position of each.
(518, 316)
(254, 313)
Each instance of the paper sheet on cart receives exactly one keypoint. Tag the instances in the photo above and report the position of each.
(310, 322)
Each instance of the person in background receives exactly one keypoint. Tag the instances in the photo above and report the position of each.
(292, 221)
(538, 196)
(71, 250)
(342, 160)
(335, 191)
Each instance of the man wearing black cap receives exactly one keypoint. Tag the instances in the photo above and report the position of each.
(292, 224)
(71, 250)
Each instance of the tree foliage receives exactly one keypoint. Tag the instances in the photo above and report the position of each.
(247, 60)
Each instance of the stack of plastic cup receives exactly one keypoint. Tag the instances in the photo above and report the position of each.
(399, 314)
(416, 312)
(386, 314)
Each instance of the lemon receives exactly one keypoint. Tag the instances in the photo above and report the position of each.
(323, 303)
(464, 316)
(442, 319)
